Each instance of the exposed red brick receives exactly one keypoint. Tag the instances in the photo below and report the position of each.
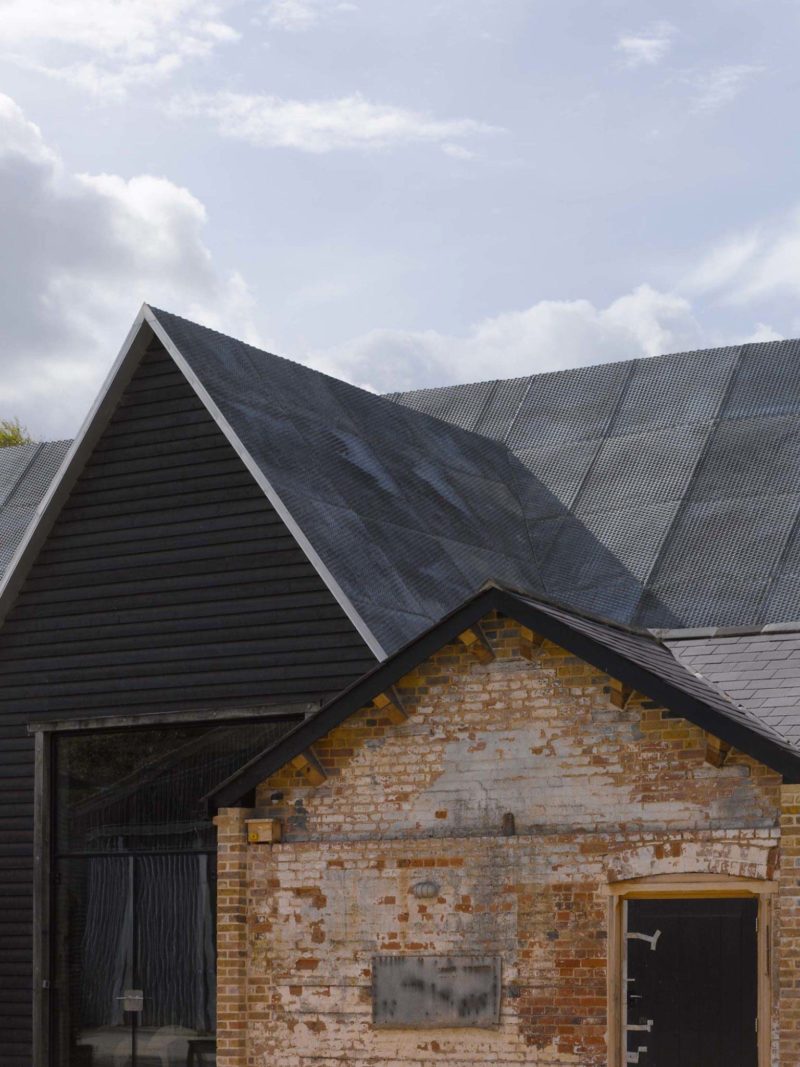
(598, 794)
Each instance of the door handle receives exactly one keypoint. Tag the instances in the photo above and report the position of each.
(132, 1000)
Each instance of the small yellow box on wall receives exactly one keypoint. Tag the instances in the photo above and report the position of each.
(263, 831)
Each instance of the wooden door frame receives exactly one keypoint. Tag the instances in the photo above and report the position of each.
(45, 735)
(43, 749)
(687, 887)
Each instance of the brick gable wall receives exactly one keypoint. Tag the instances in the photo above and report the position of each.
(598, 794)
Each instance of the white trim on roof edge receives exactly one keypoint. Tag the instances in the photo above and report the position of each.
(130, 354)
(265, 486)
(145, 327)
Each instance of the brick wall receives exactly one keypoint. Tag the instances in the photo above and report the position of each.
(232, 936)
(788, 920)
(597, 793)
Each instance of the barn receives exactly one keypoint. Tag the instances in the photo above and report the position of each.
(452, 726)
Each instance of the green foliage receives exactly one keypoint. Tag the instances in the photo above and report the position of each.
(12, 432)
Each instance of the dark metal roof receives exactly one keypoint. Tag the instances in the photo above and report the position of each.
(407, 514)
(659, 491)
(684, 466)
(636, 658)
(662, 491)
(26, 472)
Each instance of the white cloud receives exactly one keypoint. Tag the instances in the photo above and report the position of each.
(82, 252)
(299, 15)
(716, 88)
(760, 264)
(647, 47)
(548, 336)
(457, 151)
(322, 125)
(762, 332)
(108, 47)
(721, 264)
(755, 271)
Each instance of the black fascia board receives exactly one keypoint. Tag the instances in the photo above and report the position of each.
(358, 695)
(780, 757)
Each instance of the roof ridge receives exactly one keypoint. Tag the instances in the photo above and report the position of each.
(664, 679)
(456, 498)
(382, 398)
(704, 633)
(589, 366)
(561, 605)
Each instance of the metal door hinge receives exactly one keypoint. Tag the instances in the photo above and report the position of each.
(651, 939)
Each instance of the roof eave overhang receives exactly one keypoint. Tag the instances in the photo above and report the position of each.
(779, 757)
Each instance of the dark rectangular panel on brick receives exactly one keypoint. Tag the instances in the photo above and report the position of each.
(426, 992)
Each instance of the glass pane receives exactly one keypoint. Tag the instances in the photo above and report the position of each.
(134, 944)
(142, 790)
(176, 960)
(93, 962)
(143, 923)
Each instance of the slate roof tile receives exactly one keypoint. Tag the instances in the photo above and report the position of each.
(759, 671)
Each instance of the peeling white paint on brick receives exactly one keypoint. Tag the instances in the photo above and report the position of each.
(598, 794)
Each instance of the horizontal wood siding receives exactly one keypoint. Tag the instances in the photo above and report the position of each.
(168, 583)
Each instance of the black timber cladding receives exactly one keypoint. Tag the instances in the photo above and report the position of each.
(168, 582)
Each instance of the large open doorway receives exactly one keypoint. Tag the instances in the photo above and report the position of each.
(132, 954)
(136, 961)
(690, 989)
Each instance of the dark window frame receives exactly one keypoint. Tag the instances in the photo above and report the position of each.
(45, 735)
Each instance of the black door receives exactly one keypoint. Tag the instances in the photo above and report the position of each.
(692, 987)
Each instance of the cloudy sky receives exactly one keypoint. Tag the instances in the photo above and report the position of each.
(402, 193)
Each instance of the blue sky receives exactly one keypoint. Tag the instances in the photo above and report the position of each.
(403, 194)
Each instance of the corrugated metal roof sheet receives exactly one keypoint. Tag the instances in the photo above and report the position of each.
(660, 491)
(410, 514)
(26, 472)
(685, 466)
